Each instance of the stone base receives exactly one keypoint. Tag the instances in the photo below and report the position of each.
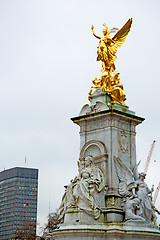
(75, 216)
(117, 231)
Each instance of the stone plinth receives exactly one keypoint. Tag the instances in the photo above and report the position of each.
(108, 231)
(107, 134)
(104, 135)
(107, 200)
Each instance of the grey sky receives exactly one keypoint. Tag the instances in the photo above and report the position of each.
(47, 63)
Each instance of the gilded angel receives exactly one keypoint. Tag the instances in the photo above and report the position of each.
(108, 46)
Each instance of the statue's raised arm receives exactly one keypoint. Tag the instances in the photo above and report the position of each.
(92, 27)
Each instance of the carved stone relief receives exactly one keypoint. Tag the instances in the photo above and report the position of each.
(123, 142)
(91, 126)
(113, 202)
(92, 150)
(97, 150)
(94, 147)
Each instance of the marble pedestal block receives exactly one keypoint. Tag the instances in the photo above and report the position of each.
(108, 199)
(106, 132)
(109, 231)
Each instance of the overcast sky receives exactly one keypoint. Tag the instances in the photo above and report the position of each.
(47, 63)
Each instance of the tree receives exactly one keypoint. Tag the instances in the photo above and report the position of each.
(27, 232)
(52, 222)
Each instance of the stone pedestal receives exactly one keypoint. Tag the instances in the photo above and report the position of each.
(108, 231)
(107, 131)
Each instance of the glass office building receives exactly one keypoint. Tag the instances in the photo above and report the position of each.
(18, 203)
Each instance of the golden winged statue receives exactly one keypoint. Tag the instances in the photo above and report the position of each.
(107, 54)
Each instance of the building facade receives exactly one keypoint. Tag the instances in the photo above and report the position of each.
(18, 203)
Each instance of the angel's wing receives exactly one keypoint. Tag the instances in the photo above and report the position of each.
(121, 35)
(125, 176)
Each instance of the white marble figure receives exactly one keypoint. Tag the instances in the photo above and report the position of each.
(144, 193)
(80, 193)
(131, 207)
(138, 205)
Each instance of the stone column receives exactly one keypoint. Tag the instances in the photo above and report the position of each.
(105, 134)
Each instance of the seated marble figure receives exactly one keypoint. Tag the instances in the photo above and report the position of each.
(80, 192)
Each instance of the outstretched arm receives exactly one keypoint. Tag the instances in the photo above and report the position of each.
(92, 27)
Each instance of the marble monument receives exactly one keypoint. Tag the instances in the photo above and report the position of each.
(108, 199)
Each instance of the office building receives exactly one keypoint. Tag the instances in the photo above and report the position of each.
(18, 203)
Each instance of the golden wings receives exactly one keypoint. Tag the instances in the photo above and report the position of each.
(120, 37)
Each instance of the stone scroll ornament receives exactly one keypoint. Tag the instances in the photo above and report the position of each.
(81, 191)
(138, 197)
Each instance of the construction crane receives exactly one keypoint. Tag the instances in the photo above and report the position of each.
(149, 157)
(156, 193)
(146, 169)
